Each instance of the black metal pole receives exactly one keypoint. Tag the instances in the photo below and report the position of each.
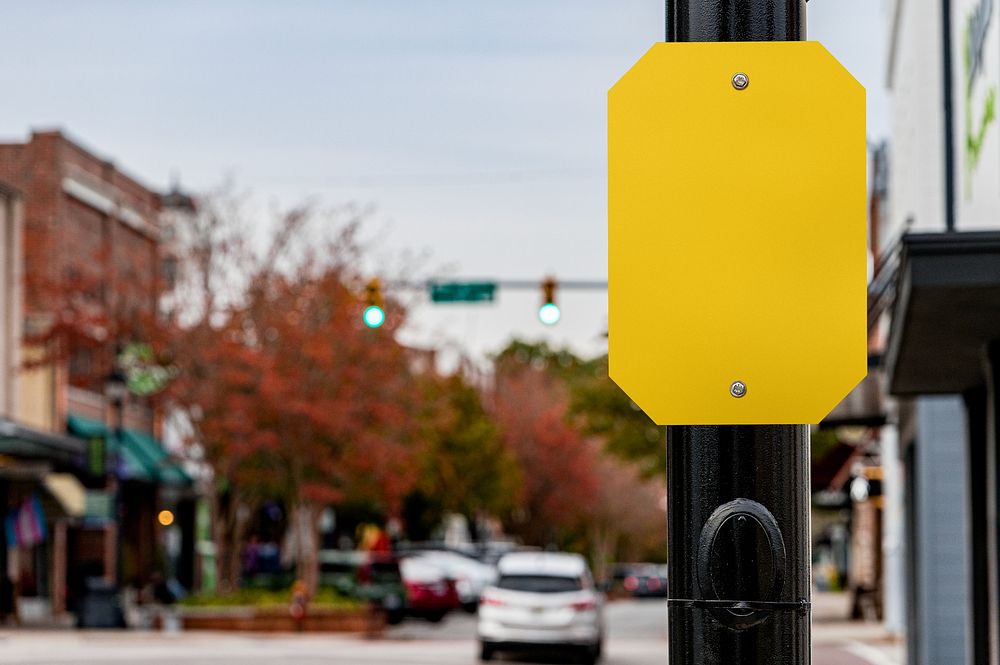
(738, 496)
(736, 20)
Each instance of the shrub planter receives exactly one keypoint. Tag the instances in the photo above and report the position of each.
(279, 620)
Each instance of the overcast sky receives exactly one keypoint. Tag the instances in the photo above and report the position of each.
(476, 129)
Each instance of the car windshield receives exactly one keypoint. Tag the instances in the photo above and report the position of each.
(385, 571)
(415, 570)
(539, 583)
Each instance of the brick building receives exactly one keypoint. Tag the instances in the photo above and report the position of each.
(91, 237)
(91, 266)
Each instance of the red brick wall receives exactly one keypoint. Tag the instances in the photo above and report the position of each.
(83, 229)
(11, 164)
(68, 242)
(136, 272)
(127, 190)
(33, 169)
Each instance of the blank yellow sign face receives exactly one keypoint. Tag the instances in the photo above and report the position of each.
(736, 232)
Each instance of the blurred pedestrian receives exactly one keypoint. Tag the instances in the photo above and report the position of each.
(300, 603)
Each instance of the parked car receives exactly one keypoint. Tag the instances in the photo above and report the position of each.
(470, 575)
(542, 600)
(430, 593)
(646, 581)
(371, 576)
(489, 552)
(468, 549)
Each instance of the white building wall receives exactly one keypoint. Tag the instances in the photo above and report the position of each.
(975, 40)
(11, 258)
(915, 79)
(916, 153)
(893, 540)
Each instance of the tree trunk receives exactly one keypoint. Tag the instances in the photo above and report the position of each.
(604, 542)
(219, 537)
(305, 521)
(229, 520)
(240, 517)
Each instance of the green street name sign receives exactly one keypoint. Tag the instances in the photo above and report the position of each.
(462, 291)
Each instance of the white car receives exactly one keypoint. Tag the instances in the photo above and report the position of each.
(542, 600)
(471, 576)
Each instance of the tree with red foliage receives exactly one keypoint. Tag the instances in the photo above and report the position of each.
(295, 398)
(333, 402)
(629, 521)
(556, 462)
(465, 467)
(578, 491)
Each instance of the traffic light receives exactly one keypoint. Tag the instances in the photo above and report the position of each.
(374, 314)
(549, 313)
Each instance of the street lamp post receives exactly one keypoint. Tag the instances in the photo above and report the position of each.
(115, 394)
(738, 495)
(116, 391)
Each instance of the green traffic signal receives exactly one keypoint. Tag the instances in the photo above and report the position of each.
(549, 314)
(374, 316)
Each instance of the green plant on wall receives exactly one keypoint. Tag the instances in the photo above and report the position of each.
(146, 375)
(974, 139)
(975, 134)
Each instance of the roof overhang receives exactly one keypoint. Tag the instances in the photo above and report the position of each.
(865, 405)
(20, 441)
(68, 492)
(947, 309)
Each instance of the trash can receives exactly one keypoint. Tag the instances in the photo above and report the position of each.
(100, 606)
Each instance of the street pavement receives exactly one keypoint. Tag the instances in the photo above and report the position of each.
(636, 636)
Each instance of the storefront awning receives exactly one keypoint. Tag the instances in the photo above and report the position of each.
(68, 492)
(153, 457)
(24, 442)
(140, 456)
(59, 494)
(947, 309)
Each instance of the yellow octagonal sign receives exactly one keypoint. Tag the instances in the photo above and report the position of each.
(736, 230)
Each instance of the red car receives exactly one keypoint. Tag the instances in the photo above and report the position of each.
(429, 592)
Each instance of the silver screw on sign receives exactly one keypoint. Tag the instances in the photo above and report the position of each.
(741, 81)
(738, 389)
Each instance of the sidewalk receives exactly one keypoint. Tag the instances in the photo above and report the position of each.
(868, 641)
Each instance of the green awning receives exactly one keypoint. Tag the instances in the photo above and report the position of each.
(140, 456)
(155, 458)
(85, 428)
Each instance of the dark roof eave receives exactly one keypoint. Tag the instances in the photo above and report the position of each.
(56, 442)
(948, 292)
